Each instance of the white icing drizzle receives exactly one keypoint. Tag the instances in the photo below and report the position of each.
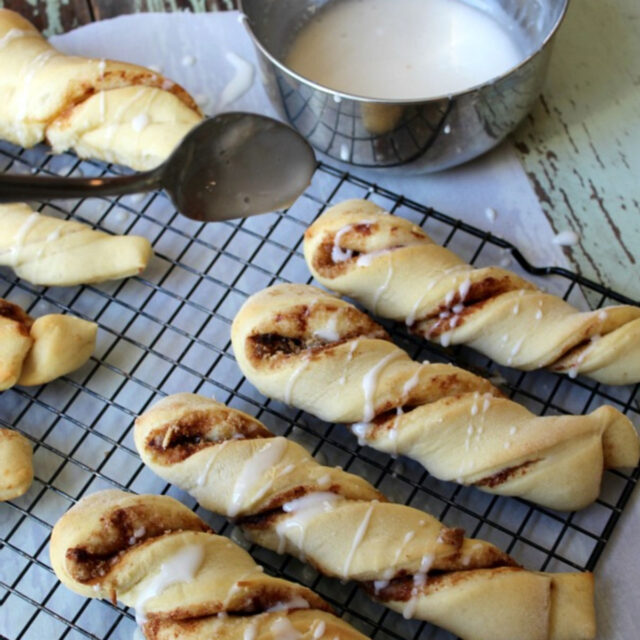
(324, 481)
(213, 454)
(395, 429)
(22, 234)
(408, 537)
(241, 81)
(15, 34)
(361, 431)
(365, 259)
(384, 286)
(338, 254)
(419, 580)
(357, 539)
(603, 315)
(253, 472)
(102, 63)
(445, 339)
(516, 349)
(33, 67)
(294, 378)
(303, 511)
(370, 383)
(566, 238)
(251, 632)
(464, 289)
(411, 318)
(318, 632)
(117, 116)
(410, 385)
(352, 350)
(330, 331)
(181, 567)
(140, 122)
(297, 602)
(283, 630)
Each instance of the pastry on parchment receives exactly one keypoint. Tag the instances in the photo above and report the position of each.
(48, 251)
(393, 268)
(155, 554)
(103, 109)
(16, 466)
(34, 352)
(303, 346)
(406, 559)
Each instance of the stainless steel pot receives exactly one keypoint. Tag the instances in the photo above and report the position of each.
(425, 135)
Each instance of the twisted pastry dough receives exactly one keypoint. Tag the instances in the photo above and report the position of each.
(34, 352)
(302, 346)
(406, 559)
(52, 252)
(16, 465)
(153, 553)
(393, 268)
(113, 111)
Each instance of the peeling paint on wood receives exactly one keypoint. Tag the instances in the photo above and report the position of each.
(581, 145)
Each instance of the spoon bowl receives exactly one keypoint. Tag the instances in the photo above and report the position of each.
(232, 166)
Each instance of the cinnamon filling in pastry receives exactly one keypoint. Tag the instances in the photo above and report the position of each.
(506, 474)
(16, 314)
(122, 529)
(403, 588)
(177, 441)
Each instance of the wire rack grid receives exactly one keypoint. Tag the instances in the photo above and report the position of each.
(168, 331)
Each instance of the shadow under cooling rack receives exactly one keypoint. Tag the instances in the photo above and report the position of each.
(168, 331)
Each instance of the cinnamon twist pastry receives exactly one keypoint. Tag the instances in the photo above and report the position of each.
(154, 554)
(52, 252)
(34, 352)
(112, 111)
(302, 346)
(16, 464)
(393, 268)
(286, 501)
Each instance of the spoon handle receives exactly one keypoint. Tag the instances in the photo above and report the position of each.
(15, 188)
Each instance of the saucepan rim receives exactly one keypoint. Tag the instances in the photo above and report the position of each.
(401, 101)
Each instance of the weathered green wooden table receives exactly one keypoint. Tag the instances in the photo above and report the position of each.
(580, 146)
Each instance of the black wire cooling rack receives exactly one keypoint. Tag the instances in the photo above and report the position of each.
(168, 331)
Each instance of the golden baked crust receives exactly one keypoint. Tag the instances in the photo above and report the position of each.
(16, 466)
(112, 111)
(153, 553)
(286, 501)
(393, 268)
(305, 347)
(34, 352)
(48, 251)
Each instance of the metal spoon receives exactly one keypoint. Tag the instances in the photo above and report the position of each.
(232, 166)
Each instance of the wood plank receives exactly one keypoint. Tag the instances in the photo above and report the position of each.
(107, 9)
(580, 144)
(52, 16)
